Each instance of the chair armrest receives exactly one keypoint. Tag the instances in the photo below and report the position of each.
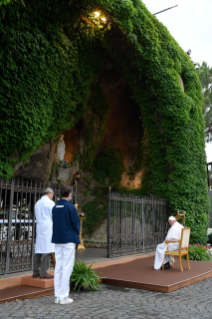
(171, 241)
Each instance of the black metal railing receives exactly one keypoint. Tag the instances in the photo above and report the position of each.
(17, 221)
(135, 224)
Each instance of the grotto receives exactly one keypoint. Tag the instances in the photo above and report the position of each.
(109, 78)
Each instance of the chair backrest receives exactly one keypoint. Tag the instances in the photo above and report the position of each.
(178, 216)
(185, 237)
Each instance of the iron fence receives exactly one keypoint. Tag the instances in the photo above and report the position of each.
(135, 224)
(17, 221)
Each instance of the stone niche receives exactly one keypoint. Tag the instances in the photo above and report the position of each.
(66, 167)
(39, 165)
(43, 159)
(123, 129)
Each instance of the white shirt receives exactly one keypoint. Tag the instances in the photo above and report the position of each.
(43, 215)
(174, 231)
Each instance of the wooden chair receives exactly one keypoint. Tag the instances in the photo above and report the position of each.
(178, 216)
(183, 250)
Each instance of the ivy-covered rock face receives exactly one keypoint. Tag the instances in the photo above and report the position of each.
(51, 52)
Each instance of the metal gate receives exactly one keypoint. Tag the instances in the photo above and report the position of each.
(135, 224)
(17, 221)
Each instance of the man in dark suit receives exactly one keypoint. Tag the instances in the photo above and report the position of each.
(66, 228)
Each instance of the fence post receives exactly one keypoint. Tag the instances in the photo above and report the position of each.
(133, 223)
(143, 221)
(9, 226)
(120, 223)
(108, 224)
(33, 225)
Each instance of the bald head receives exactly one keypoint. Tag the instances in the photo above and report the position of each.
(49, 192)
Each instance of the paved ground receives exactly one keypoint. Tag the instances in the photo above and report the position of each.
(115, 302)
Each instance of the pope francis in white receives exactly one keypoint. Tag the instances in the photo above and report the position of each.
(174, 233)
(44, 228)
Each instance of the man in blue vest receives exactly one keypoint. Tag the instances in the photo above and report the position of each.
(66, 228)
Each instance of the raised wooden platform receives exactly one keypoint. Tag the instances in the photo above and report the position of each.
(13, 288)
(23, 292)
(133, 272)
(37, 282)
(138, 272)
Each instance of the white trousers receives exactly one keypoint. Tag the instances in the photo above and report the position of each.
(64, 256)
(160, 256)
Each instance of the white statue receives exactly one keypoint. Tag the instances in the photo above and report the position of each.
(61, 149)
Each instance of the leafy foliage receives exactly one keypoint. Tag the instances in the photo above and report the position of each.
(210, 238)
(108, 164)
(199, 253)
(107, 170)
(84, 276)
(96, 210)
(53, 52)
(205, 76)
(94, 128)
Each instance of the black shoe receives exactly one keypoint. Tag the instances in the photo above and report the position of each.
(166, 266)
(47, 276)
(36, 275)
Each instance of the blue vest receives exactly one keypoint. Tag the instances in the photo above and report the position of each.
(66, 223)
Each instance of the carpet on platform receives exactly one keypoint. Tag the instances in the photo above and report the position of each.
(138, 272)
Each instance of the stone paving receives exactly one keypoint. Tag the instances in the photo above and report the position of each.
(116, 302)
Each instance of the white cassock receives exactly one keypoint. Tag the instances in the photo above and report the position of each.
(173, 233)
(44, 226)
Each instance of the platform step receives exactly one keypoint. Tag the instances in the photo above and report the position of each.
(37, 282)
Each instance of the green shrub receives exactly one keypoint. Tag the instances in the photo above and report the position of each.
(109, 164)
(84, 276)
(199, 253)
(210, 238)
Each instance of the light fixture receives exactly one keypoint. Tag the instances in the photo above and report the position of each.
(188, 52)
(197, 67)
(97, 14)
(78, 176)
(104, 19)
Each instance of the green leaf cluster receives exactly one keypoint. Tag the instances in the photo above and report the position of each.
(84, 276)
(51, 54)
(210, 238)
(96, 210)
(108, 166)
(205, 76)
(199, 253)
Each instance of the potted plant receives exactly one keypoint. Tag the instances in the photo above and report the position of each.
(83, 276)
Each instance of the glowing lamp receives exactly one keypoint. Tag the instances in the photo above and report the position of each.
(104, 19)
(97, 14)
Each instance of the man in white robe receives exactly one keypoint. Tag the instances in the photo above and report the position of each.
(44, 229)
(174, 233)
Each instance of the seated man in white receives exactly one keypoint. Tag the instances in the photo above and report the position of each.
(174, 233)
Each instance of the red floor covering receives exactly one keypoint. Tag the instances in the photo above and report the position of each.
(138, 272)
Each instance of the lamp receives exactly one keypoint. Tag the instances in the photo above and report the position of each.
(189, 52)
(77, 176)
(104, 19)
(97, 14)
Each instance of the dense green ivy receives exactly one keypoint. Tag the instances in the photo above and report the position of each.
(51, 53)
(96, 210)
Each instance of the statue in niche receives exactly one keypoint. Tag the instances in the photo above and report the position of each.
(61, 149)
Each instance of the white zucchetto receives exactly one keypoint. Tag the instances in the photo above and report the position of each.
(172, 218)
